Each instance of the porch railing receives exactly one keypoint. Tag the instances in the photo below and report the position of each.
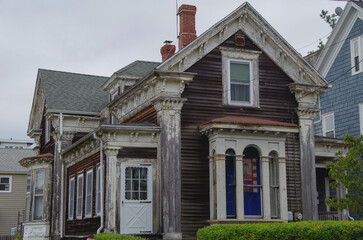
(328, 216)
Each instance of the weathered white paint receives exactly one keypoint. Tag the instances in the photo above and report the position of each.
(111, 189)
(36, 231)
(265, 179)
(283, 188)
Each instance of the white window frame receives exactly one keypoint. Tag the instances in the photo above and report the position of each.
(71, 198)
(325, 115)
(98, 192)
(38, 195)
(79, 198)
(10, 183)
(361, 117)
(243, 56)
(359, 41)
(88, 196)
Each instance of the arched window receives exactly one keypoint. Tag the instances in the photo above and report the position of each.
(251, 182)
(231, 183)
(274, 184)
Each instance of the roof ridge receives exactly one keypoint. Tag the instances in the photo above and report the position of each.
(83, 74)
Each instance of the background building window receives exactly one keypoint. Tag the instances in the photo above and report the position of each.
(88, 202)
(79, 195)
(38, 194)
(5, 184)
(356, 54)
(71, 198)
(328, 125)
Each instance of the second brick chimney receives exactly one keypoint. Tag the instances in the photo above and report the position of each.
(167, 50)
(187, 32)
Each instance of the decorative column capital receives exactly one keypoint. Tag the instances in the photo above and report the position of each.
(306, 94)
(111, 151)
(169, 103)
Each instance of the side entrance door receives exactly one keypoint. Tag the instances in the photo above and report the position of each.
(136, 198)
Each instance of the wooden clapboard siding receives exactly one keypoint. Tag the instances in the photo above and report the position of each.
(12, 202)
(84, 226)
(146, 153)
(205, 102)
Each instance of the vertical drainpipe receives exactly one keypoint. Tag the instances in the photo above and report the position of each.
(101, 180)
(62, 174)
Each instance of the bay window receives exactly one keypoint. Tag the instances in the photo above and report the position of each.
(38, 194)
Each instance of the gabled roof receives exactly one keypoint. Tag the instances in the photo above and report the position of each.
(138, 68)
(262, 34)
(352, 11)
(9, 160)
(73, 91)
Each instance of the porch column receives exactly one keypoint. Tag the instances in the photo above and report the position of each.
(221, 186)
(306, 96)
(239, 187)
(111, 189)
(168, 112)
(283, 189)
(265, 167)
(62, 141)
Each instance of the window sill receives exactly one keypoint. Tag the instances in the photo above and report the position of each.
(246, 220)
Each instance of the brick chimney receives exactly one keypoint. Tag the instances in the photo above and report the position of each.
(167, 50)
(187, 31)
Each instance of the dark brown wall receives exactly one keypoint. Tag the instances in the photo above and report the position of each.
(84, 226)
(49, 146)
(205, 102)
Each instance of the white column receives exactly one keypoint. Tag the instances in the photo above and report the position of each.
(239, 187)
(111, 189)
(221, 186)
(283, 189)
(212, 199)
(266, 203)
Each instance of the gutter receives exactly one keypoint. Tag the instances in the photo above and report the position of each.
(62, 174)
(101, 181)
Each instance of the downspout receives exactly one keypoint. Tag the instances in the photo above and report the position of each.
(62, 174)
(101, 180)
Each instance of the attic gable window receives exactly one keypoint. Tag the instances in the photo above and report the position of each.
(356, 48)
(240, 77)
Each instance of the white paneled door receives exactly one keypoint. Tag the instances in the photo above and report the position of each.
(136, 198)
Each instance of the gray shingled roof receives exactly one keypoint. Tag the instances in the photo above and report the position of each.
(10, 157)
(360, 4)
(138, 68)
(73, 91)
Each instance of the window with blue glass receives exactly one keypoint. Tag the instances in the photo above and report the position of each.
(251, 182)
(231, 183)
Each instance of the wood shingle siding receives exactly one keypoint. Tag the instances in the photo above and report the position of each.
(205, 102)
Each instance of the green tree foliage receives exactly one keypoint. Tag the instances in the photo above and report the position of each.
(348, 172)
(330, 19)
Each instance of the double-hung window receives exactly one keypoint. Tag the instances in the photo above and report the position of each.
(79, 204)
(356, 50)
(38, 194)
(240, 77)
(328, 125)
(98, 191)
(88, 202)
(71, 198)
(5, 184)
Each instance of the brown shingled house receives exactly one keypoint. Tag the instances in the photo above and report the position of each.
(219, 132)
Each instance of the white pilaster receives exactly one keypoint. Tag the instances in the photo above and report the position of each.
(266, 203)
(239, 187)
(283, 189)
(221, 186)
(111, 189)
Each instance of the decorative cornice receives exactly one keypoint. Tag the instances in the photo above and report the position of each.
(36, 160)
(158, 84)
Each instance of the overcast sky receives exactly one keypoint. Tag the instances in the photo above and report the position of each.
(100, 37)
